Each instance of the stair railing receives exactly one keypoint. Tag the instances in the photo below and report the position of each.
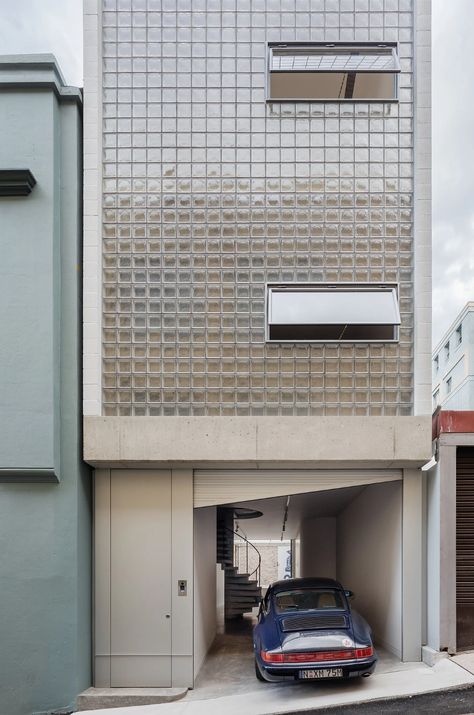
(257, 570)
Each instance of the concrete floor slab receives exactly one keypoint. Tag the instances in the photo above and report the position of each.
(238, 672)
(107, 698)
(227, 685)
(271, 700)
(465, 660)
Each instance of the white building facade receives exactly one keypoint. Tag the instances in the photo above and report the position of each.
(257, 306)
(453, 364)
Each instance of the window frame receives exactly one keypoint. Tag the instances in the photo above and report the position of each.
(329, 286)
(447, 351)
(341, 45)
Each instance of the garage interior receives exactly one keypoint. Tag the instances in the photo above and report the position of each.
(350, 533)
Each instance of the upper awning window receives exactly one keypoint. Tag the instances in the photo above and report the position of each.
(336, 72)
(323, 313)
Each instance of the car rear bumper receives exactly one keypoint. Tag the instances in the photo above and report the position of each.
(275, 674)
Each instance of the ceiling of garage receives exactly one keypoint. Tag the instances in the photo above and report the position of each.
(301, 506)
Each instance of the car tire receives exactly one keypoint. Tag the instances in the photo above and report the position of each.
(258, 674)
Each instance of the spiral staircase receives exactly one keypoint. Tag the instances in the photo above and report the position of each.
(242, 590)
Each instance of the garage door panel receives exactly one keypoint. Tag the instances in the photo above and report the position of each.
(213, 486)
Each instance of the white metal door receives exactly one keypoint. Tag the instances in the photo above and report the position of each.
(140, 578)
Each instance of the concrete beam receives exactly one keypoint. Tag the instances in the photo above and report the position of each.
(283, 442)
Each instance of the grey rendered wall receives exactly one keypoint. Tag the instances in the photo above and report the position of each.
(29, 287)
(44, 528)
(369, 533)
(204, 583)
(318, 547)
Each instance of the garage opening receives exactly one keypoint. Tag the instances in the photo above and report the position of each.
(351, 534)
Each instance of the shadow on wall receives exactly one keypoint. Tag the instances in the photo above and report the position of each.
(369, 533)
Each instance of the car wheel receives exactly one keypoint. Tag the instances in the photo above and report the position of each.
(258, 674)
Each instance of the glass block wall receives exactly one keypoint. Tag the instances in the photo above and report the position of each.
(209, 192)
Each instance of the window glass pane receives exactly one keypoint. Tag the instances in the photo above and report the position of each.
(332, 85)
(332, 314)
(329, 307)
(307, 599)
(321, 60)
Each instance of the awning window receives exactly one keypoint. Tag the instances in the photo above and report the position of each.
(328, 313)
(333, 72)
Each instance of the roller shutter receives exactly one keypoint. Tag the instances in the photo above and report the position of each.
(465, 548)
(215, 486)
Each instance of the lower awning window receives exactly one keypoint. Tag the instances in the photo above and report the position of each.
(333, 72)
(328, 313)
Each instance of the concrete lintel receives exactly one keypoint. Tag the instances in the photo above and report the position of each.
(456, 439)
(391, 442)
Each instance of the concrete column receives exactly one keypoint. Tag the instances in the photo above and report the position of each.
(412, 558)
(433, 550)
(447, 515)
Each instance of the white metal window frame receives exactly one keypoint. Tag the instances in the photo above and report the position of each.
(327, 46)
(327, 287)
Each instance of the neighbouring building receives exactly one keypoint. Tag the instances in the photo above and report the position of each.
(453, 364)
(450, 533)
(257, 311)
(450, 490)
(45, 506)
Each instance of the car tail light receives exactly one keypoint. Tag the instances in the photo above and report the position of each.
(320, 656)
(271, 657)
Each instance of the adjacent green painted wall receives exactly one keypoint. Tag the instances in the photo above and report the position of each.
(45, 529)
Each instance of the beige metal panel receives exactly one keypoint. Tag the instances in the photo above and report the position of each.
(140, 578)
(183, 676)
(102, 671)
(141, 671)
(182, 570)
(102, 578)
(234, 485)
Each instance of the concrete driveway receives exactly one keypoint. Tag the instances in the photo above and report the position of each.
(227, 685)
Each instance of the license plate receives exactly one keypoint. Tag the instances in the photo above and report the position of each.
(320, 673)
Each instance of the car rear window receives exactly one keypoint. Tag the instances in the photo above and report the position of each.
(308, 599)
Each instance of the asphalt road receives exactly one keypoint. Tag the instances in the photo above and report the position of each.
(456, 702)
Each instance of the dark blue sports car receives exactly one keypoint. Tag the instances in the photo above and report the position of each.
(307, 630)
